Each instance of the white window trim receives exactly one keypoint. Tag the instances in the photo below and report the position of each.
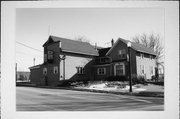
(80, 70)
(98, 71)
(44, 69)
(123, 68)
(55, 68)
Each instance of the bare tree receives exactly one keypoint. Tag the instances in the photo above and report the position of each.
(82, 39)
(152, 41)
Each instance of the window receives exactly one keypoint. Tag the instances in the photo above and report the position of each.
(44, 71)
(122, 54)
(142, 55)
(80, 70)
(105, 60)
(119, 69)
(101, 71)
(45, 57)
(151, 70)
(55, 70)
(151, 57)
(143, 69)
(50, 55)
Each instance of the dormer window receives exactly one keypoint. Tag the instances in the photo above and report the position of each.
(122, 54)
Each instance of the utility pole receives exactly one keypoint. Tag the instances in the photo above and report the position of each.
(34, 61)
(129, 64)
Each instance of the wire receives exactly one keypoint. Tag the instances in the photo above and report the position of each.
(29, 46)
(29, 54)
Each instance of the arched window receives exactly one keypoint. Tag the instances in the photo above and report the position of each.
(55, 70)
(44, 71)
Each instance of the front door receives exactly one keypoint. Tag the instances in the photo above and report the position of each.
(119, 69)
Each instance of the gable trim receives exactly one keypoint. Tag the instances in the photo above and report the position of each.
(116, 43)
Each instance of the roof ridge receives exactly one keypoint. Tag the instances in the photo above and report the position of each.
(67, 39)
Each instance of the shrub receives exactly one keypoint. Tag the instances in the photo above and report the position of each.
(68, 83)
(64, 83)
(116, 78)
(139, 80)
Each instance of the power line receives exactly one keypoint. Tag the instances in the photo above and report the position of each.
(29, 46)
(29, 54)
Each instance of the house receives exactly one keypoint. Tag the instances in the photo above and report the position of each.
(22, 75)
(66, 59)
(113, 61)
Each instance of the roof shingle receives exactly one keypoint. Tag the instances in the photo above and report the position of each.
(73, 46)
(139, 47)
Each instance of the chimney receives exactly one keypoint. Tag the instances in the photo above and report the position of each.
(112, 42)
(95, 47)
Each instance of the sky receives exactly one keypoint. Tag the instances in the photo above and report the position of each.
(97, 25)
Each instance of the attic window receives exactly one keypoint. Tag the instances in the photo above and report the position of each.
(122, 54)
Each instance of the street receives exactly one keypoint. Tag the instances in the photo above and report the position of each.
(43, 99)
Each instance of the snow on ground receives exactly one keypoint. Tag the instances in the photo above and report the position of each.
(116, 88)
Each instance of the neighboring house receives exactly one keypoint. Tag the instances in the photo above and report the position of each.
(66, 59)
(23, 76)
(114, 60)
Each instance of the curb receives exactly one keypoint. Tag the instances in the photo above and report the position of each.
(142, 94)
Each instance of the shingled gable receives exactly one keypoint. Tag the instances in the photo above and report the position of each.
(73, 46)
(135, 46)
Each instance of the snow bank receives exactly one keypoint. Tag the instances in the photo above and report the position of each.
(103, 86)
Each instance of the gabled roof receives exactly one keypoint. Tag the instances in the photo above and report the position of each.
(135, 46)
(73, 46)
(36, 66)
(103, 51)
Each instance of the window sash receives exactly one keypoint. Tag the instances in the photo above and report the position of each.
(119, 69)
(80, 70)
(55, 70)
(122, 54)
(44, 71)
(101, 71)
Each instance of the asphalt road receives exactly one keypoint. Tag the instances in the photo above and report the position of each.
(43, 99)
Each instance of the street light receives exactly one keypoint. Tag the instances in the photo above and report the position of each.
(129, 65)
